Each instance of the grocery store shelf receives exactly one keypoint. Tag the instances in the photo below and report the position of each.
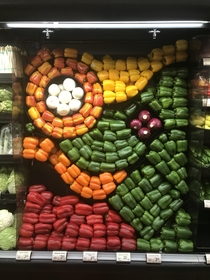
(6, 78)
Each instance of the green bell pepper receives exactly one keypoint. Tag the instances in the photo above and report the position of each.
(153, 157)
(98, 156)
(173, 164)
(136, 176)
(132, 141)
(109, 136)
(97, 146)
(169, 71)
(157, 223)
(167, 233)
(155, 105)
(86, 152)
(125, 152)
(179, 91)
(122, 189)
(108, 113)
(164, 155)
(165, 214)
(163, 138)
(120, 144)
(103, 125)
(116, 125)
(145, 185)
(181, 159)
(140, 148)
(148, 171)
(156, 145)
(169, 123)
(73, 154)
(182, 72)
(119, 115)
(164, 187)
(166, 114)
(156, 244)
(181, 122)
(78, 143)
(183, 218)
(185, 246)
(155, 210)
(109, 146)
(154, 195)
(136, 224)
(146, 96)
(138, 211)
(96, 134)
(175, 194)
(137, 194)
(87, 139)
(176, 204)
(170, 147)
(164, 91)
(116, 202)
(173, 177)
(164, 201)
(111, 157)
(182, 172)
(166, 102)
(94, 166)
(179, 82)
(130, 109)
(182, 232)
(107, 167)
(66, 145)
(129, 183)
(170, 246)
(82, 163)
(129, 200)
(179, 102)
(121, 164)
(147, 219)
(181, 113)
(181, 145)
(166, 81)
(133, 158)
(146, 203)
(156, 180)
(124, 133)
(127, 214)
(142, 245)
(162, 167)
(177, 134)
(182, 187)
(147, 232)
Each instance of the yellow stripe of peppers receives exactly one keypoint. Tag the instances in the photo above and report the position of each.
(156, 65)
(103, 75)
(96, 65)
(120, 64)
(124, 76)
(108, 62)
(181, 45)
(134, 75)
(168, 49)
(119, 86)
(121, 96)
(114, 74)
(131, 90)
(109, 85)
(109, 96)
(87, 58)
(141, 83)
(147, 74)
(131, 63)
(169, 59)
(143, 64)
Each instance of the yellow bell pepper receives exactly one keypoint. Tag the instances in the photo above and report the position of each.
(70, 52)
(114, 74)
(143, 64)
(120, 64)
(169, 59)
(124, 76)
(96, 65)
(168, 49)
(87, 58)
(147, 74)
(119, 86)
(156, 65)
(141, 83)
(134, 74)
(33, 113)
(156, 54)
(181, 45)
(109, 96)
(103, 75)
(131, 63)
(108, 85)
(108, 62)
(131, 90)
(121, 96)
(181, 56)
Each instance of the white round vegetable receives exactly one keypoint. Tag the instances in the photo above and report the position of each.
(52, 102)
(64, 96)
(54, 89)
(77, 93)
(69, 84)
(63, 109)
(61, 86)
(75, 105)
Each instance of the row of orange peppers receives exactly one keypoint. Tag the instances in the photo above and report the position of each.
(81, 182)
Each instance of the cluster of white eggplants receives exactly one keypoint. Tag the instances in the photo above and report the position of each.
(65, 98)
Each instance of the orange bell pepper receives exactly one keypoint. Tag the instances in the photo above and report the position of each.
(44, 81)
(39, 122)
(63, 158)
(119, 176)
(47, 145)
(53, 158)
(48, 128)
(83, 179)
(85, 110)
(69, 132)
(106, 177)
(29, 69)
(109, 187)
(57, 132)
(41, 106)
(60, 167)
(90, 121)
(41, 155)
(67, 71)
(31, 88)
(95, 183)
(99, 194)
(77, 118)
(45, 68)
(29, 153)
(70, 52)
(57, 122)
(30, 101)
(76, 187)
(54, 72)
(67, 121)
(74, 170)
(96, 111)
(86, 192)
(81, 129)
(67, 178)
(35, 77)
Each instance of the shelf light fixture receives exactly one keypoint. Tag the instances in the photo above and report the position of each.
(105, 24)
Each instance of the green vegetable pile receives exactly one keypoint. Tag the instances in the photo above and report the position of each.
(5, 99)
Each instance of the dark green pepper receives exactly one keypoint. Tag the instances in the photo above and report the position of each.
(164, 201)
(133, 158)
(175, 194)
(156, 244)
(182, 232)
(66, 145)
(166, 102)
(111, 157)
(170, 147)
(109, 136)
(145, 185)
(140, 149)
(138, 211)
(157, 223)
(129, 183)
(146, 203)
(136, 176)
(166, 81)
(181, 159)
(181, 145)
(176, 204)
(82, 163)
(147, 232)
(119, 115)
(173, 164)
(73, 154)
(155, 210)
(136, 224)
(78, 143)
(182, 187)
(154, 195)
(185, 246)
(177, 134)
(147, 219)
(122, 189)
(121, 164)
(156, 145)
(183, 218)
(148, 171)
(146, 96)
(155, 105)
(179, 102)
(167, 233)
(96, 134)
(108, 113)
(153, 157)
(169, 71)
(116, 125)
(162, 167)
(30, 127)
(130, 109)
(169, 123)
(164, 187)
(127, 214)
(170, 246)
(163, 138)
(132, 141)
(137, 194)
(124, 133)
(165, 214)
(181, 122)
(102, 125)
(164, 91)
(86, 152)
(129, 200)
(87, 139)
(98, 156)
(156, 180)
(107, 167)
(109, 146)
(97, 146)
(116, 202)
(173, 177)
(179, 82)
(182, 72)
(164, 155)
(182, 172)
(125, 152)
(142, 245)
(166, 114)
(181, 113)
(94, 166)
(179, 91)
(120, 144)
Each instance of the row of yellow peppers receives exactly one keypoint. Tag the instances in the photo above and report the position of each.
(81, 182)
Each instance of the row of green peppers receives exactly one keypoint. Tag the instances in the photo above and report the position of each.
(110, 146)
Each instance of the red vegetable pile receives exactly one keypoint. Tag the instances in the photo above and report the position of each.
(65, 223)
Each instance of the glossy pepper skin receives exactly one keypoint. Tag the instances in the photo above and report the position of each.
(143, 245)
(185, 246)
(182, 218)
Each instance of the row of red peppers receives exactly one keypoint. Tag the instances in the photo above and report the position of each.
(65, 223)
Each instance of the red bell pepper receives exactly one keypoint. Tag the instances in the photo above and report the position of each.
(57, 53)
(54, 210)
(25, 243)
(85, 110)
(37, 188)
(86, 231)
(31, 88)
(112, 228)
(32, 207)
(54, 72)
(98, 99)
(64, 211)
(83, 209)
(88, 87)
(36, 61)
(31, 218)
(82, 67)
(81, 78)
(26, 230)
(113, 243)
(128, 244)
(94, 219)
(99, 230)
(45, 54)
(126, 231)
(77, 219)
(29, 69)
(97, 88)
(30, 101)
(100, 208)
(37, 198)
(98, 244)
(47, 208)
(40, 242)
(47, 218)
(83, 244)
(68, 243)
(96, 111)
(48, 116)
(48, 195)
(56, 233)
(113, 216)
(35, 77)
(43, 83)
(88, 97)
(89, 121)
(56, 200)
(67, 71)
(41, 228)
(69, 199)
(39, 122)
(72, 230)
(60, 224)
(41, 106)
(68, 121)
(72, 62)
(54, 243)
(91, 77)
(59, 62)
